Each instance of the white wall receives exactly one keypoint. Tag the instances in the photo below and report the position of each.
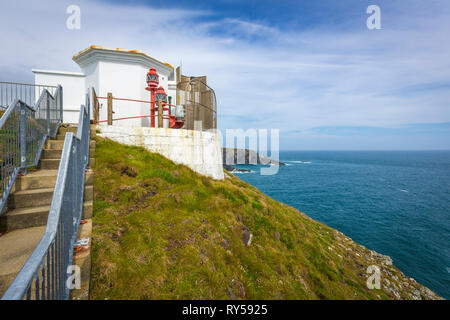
(124, 80)
(73, 90)
(199, 150)
(91, 81)
(121, 73)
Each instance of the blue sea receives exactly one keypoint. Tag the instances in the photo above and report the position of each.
(394, 202)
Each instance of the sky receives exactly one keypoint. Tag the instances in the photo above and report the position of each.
(309, 68)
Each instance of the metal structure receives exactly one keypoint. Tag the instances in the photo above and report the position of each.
(199, 101)
(45, 273)
(28, 93)
(24, 129)
(196, 102)
(175, 114)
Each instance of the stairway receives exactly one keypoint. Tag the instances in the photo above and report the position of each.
(24, 222)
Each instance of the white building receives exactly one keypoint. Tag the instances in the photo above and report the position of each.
(123, 74)
(120, 72)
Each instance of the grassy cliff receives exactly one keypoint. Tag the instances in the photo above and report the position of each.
(161, 231)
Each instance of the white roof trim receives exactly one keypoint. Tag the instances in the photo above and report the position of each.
(65, 73)
(94, 55)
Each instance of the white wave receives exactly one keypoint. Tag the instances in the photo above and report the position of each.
(403, 190)
(302, 162)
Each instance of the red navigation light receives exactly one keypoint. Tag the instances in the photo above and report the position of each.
(152, 79)
(161, 95)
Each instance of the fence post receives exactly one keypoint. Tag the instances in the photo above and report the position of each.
(94, 106)
(160, 114)
(110, 108)
(61, 103)
(48, 114)
(23, 138)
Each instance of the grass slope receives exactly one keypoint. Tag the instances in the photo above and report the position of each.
(162, 231)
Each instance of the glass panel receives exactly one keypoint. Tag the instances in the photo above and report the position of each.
(161, 96)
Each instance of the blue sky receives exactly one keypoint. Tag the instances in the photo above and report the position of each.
(310, 68)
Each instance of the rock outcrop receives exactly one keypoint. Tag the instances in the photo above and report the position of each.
(244, 156)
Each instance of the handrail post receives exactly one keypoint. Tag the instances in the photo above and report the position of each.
(110, 108)
(23, 138)
(48, 115)
(93, 102)
(61, 103)
(160, 114)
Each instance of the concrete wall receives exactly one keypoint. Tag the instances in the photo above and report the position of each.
(199, 150)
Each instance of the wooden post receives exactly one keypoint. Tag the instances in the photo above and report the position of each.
(178, 78)
(110, 108)
(94, 105)
(160, 114)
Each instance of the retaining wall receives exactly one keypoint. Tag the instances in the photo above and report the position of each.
(199, 150)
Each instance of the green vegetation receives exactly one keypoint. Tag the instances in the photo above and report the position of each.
(162, 231)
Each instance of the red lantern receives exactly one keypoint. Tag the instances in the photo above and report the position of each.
(152, 79)
(161, 95)
(152, 84)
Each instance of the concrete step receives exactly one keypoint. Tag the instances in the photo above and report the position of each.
(39, 197)
(64, 130)
(62, 136)
(22, 218)
(59, 144)
(74, 129)
(56, 154)
(16, 247)
(44, 179)
(53, 164)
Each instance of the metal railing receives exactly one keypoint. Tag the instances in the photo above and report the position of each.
(110, 99)
(45, 273)
(28, 93)
(199, 101)
(23, 131)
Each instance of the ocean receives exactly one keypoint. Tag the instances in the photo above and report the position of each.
(394, 202)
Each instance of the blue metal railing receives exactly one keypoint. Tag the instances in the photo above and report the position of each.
(24, 129)
(45, 273)
(28, 93)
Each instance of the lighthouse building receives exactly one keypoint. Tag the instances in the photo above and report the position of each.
(117, 71)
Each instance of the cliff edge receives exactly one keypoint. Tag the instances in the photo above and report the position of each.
(162, 231)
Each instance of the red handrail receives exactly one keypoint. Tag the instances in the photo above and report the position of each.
(133, 100)
(136, 117)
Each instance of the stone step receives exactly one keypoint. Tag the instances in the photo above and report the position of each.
(64, 130)
(74, 129)
(39, 197)
(16, 247)
(22, 218)
(53, 164)
(44, 179)
(59, 144)
(62, 136)
(56, 154)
